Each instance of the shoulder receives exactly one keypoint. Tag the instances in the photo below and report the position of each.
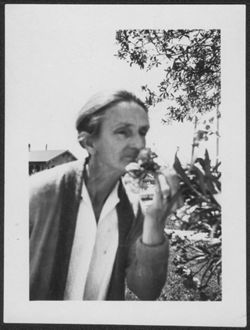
(55, 177)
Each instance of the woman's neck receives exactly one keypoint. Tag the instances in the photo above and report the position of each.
(100, 182)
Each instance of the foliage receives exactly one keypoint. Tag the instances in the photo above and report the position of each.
(197, 261)
(190, 60)
(190, 86)
(175, 290)
(195, 255)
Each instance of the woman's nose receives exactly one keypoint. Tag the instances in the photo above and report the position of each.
(138, 142)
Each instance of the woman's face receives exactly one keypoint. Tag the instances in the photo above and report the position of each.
(122, 135)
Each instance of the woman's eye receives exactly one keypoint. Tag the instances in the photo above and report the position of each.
(143, 133)
(123, 133)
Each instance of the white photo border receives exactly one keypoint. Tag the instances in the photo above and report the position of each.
(231, 311)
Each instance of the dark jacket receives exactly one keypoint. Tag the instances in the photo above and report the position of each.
(54, 202)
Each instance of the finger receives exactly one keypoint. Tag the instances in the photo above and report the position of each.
(172, 204)
(162, 193)
(165, 187)
(158, 196)
(172, 179)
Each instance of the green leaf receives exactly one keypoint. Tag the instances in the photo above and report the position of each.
(179, 169)
(215, 169)
(207, 167)
(201, 179)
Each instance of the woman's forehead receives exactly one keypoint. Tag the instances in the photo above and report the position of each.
(127, 113)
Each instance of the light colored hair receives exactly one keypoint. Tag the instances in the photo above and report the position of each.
(90, 117)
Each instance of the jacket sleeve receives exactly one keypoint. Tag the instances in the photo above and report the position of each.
(44, 218)
(147, 269)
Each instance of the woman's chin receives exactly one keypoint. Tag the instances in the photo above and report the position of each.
(132, 166)
(125, 163)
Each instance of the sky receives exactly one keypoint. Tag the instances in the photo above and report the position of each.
(59, 57)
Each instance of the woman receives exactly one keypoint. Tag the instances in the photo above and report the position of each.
(84, 238)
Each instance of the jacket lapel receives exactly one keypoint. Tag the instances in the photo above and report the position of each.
(70, 204)
(129, 228)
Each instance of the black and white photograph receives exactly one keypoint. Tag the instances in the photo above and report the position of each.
(125, 164)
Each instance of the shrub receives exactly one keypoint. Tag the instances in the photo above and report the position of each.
(198, 261)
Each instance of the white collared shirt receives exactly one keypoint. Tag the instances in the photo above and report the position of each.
(93, 250)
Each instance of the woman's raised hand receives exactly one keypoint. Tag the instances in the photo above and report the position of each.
(166, 199)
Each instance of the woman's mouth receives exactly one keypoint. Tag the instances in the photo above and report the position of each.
(131, 158)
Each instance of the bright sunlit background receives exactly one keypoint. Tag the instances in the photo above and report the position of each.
(58, 59)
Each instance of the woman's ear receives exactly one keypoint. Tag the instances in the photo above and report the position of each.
(85, 140)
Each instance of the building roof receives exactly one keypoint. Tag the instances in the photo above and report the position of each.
(45, 155)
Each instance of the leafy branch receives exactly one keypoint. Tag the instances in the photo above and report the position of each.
(198, 262)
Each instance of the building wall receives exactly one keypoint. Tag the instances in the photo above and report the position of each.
(36, 167)
(61, 159)
(40, 166)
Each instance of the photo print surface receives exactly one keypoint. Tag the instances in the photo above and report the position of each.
(124, 115)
